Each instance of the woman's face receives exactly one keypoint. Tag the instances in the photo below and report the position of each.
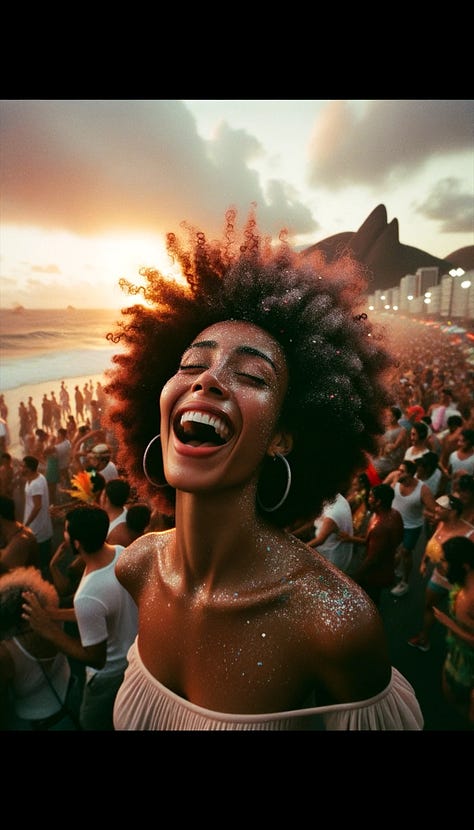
(219, 412)
(443, 514)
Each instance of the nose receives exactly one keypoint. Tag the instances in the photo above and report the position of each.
(208, 382)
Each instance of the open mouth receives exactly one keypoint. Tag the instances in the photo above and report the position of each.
(202, 429)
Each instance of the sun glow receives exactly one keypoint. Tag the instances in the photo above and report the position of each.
(63, 269)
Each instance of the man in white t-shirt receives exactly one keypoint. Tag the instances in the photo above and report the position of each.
(36, 510)
(336, 516)
(412, 497)
(106, 615)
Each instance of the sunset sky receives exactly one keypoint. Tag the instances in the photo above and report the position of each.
(90, 187)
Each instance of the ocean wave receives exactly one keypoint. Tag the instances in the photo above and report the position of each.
(20, 339)
(39, 345)
(53, 365)
(45, 346)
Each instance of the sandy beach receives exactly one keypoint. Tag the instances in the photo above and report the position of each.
(13, 397)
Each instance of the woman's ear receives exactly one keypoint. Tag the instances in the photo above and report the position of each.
(282, 443)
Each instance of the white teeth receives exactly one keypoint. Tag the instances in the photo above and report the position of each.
(211, 420)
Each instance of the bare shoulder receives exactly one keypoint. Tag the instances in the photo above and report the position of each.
(346, 640)
(136, 561)
(341, 598)
(329, 600)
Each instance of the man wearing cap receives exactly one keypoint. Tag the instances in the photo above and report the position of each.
(415, 413)
(99, 459)
(410, 416)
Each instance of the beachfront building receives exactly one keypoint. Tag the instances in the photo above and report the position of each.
(449, 297)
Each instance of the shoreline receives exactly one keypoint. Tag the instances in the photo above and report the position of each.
(13, 397)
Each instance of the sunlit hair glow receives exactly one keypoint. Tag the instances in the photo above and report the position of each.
(336, 360)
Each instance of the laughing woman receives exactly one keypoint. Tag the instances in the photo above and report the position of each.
(245, 396)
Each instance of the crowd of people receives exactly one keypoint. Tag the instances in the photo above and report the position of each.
(285, 509)
(66, 514)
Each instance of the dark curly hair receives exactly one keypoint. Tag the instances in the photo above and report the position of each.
(336, 361)
(12, 585)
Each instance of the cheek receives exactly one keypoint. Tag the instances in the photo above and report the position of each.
(173, 389)
(167, 397)
(260, 414)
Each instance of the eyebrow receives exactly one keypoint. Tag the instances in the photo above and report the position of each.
(250, 350)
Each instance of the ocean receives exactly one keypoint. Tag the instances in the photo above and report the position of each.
(42, 345)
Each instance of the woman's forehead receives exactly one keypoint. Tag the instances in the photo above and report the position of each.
(233, 333)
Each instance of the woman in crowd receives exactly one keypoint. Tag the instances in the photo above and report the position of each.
(449, 523)
(419, 441)
(461, 460)
(458, 667)
(245, 397)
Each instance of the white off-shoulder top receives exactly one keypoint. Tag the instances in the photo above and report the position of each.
(144, 704)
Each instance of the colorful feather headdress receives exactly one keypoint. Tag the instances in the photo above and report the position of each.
(83, 486)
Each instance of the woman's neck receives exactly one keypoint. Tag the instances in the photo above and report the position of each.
(219, 538)
(99, 559)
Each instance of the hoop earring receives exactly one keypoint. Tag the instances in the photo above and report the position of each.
(145, 457)
(287, 488)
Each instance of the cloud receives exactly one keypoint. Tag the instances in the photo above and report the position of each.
(348, 147)
(34, 293)
(90, 167)
(46, 269)
(450, 206)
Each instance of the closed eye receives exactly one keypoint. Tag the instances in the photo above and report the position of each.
(200, 367)
(192, 367)
(257, 380)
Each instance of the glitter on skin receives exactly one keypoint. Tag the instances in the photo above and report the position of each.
(302, 615)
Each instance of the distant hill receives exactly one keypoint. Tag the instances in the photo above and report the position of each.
(463, 258)
(377, 245)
